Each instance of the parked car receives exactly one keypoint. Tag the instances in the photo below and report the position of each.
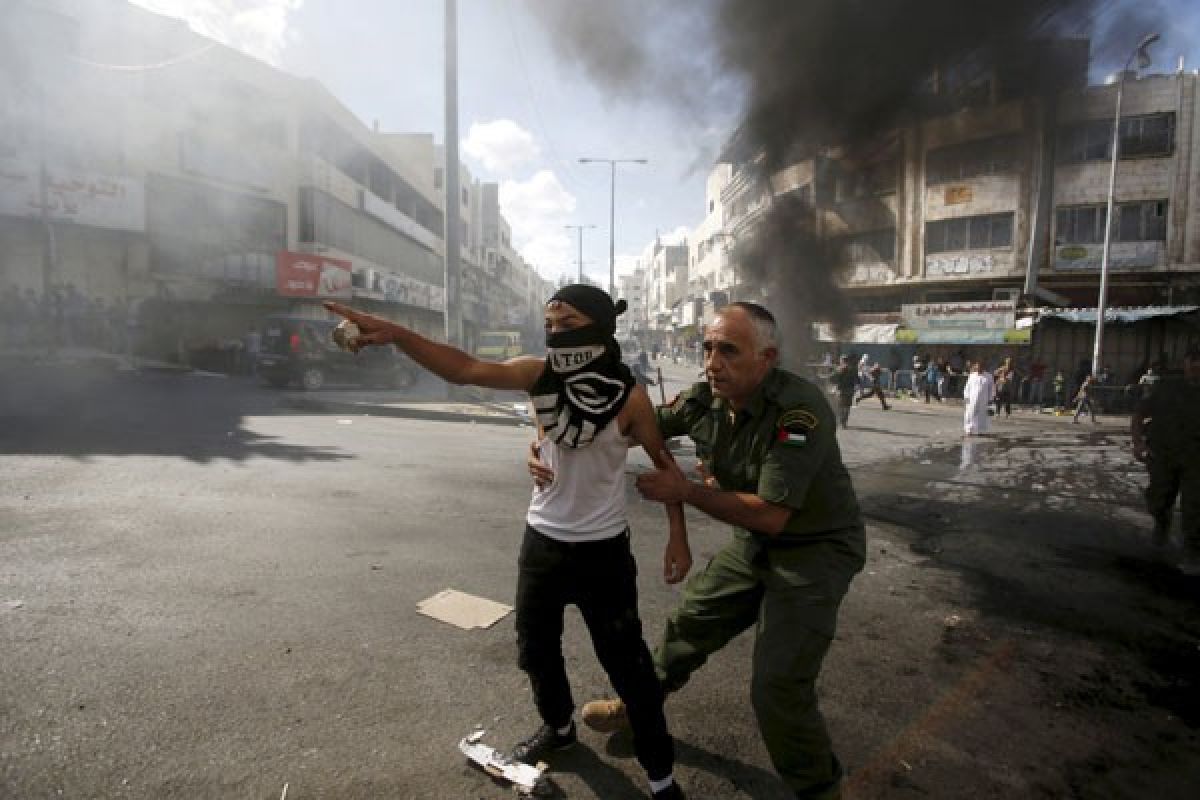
(300, 350)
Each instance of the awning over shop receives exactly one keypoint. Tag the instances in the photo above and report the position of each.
(876, 333)
(1113, 314)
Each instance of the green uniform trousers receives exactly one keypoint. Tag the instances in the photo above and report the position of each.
(1169, 478)
(791, 595)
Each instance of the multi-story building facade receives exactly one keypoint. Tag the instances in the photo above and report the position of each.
(632, 287)
(710, 268)
(145, 166)
(1003, 202)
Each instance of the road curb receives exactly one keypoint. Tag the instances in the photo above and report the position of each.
(402, 412)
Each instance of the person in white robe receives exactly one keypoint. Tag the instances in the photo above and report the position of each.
(977, 397)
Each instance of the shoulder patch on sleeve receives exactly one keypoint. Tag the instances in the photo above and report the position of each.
(798, 420)
(795, 426)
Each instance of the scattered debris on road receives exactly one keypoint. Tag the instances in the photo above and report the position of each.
(525, 779)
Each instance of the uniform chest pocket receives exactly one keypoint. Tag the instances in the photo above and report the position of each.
(703, 433)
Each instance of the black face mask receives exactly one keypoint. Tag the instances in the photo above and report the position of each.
(583, 386)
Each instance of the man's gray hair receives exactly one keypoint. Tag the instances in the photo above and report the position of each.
(765, 330)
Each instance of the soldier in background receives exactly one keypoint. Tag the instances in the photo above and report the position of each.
(1166, 436)
(844, 380)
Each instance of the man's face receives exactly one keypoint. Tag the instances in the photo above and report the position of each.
(733, 363)
(561, 317)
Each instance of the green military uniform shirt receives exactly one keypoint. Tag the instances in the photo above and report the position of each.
(782, 447)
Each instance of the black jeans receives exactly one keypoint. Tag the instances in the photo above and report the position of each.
(600, 579)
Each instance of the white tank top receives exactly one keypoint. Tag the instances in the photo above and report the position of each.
(586, 501)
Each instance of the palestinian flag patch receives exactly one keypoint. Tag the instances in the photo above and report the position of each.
(792, 439)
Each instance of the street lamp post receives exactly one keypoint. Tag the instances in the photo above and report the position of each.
(579, 228)
(612, 211)
(1143, 58)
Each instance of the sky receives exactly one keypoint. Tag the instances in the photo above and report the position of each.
(525, 116)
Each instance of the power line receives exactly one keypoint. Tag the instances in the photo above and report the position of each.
(569, 172)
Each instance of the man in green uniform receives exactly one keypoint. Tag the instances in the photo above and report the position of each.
(844, 380)
(767, 440)
(1166, 435)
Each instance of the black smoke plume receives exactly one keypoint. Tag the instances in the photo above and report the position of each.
(809, 75)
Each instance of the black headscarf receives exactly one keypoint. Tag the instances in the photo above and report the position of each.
(584, 384)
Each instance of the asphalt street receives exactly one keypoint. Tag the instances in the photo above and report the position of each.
(208, 589)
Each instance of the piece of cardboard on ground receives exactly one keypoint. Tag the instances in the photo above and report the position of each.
(463, 610)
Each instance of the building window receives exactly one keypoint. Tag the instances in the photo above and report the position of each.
(871, 247)
(1143, 221)
(1142, 135)
(985, 232)
(1080, 225)
(868, 181)
(438, 177)
(996, 156)
(464, 196)
(1148, 135)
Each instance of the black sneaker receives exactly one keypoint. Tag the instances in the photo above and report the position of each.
(545, 740)
(672, 792)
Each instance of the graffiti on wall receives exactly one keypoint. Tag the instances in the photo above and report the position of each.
(964, 264)
(871, 273)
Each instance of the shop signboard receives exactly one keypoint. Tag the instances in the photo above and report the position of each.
(986, 322)
(1121, 255)
(84, 198)
(312, 275)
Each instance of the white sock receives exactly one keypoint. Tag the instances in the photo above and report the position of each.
(659, 785)
(563, 731)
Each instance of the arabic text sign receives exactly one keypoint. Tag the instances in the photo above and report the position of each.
(985, 315)
(1122, 255)
(85, 198)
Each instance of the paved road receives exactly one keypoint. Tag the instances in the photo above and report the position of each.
(206, 593)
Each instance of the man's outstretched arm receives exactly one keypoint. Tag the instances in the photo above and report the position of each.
(443, 360)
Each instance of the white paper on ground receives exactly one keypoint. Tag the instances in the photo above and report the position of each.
(463, 610)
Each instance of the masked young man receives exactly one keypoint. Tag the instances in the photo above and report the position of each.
(576, 545)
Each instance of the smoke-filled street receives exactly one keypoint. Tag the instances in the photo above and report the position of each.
(207, 593)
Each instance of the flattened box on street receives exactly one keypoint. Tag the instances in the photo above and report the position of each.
(463, 610)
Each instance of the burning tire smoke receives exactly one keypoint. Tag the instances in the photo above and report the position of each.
(826, 80)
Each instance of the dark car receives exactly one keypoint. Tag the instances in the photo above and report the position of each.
(300, 350)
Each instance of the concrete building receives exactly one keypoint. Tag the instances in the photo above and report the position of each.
(162, 176)
(711, 272)
(1000, 200)
(632, 288)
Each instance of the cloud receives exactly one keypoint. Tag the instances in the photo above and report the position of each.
(501, 146)
(678, 236)
(256, 27)
(627, 263)
(537, 209)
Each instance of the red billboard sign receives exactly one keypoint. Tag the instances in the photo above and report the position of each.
(311, 275)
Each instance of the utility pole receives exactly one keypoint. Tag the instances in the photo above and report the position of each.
(1143, 59)
(580, 229)
(612, 212)
(453, 310)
